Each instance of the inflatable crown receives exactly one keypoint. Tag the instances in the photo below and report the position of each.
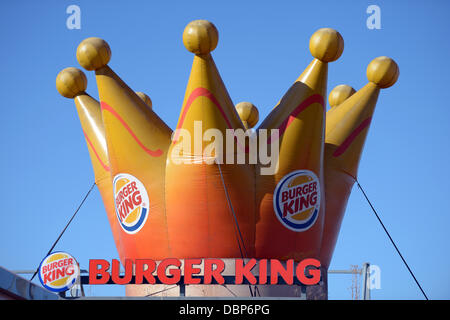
(159, 208)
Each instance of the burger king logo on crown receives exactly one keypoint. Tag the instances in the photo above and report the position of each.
(296, 200)
(131, 202)
(58, 271)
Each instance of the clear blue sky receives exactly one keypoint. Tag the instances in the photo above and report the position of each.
(263, 47)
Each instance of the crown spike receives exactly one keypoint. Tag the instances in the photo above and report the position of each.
(137, 141)
(347, 125)
(207, 108)
(299, 117)
(71, 83)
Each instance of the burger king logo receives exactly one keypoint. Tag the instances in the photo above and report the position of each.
(131, 202)
(58, 271)
(296, 201)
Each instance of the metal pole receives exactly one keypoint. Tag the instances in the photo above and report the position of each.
(182, 290)
(365, 279)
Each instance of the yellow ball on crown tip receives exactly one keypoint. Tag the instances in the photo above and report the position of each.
(70, 82)
(200, 37)
(383, 71)
(339, 94)
(93, 53)
(145, 98)
(248, 113)
(326, 44)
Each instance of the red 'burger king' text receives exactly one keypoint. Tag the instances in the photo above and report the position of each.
(299, 198)
(127, 199)
(58, 269)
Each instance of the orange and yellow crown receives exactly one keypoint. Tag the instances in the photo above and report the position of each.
(197, 209)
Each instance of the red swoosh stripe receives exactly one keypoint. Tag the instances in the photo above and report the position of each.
(203, 92)
(315, 98)
(352, 136)
(153, 153)
(196, 93)
(95, 152)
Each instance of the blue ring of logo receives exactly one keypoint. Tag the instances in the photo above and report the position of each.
(138, 224)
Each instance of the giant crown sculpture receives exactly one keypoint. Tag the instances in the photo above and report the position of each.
(158, 208)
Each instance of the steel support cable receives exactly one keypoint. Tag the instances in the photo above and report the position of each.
(237, 230)
(390, 238)
(67, 225)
